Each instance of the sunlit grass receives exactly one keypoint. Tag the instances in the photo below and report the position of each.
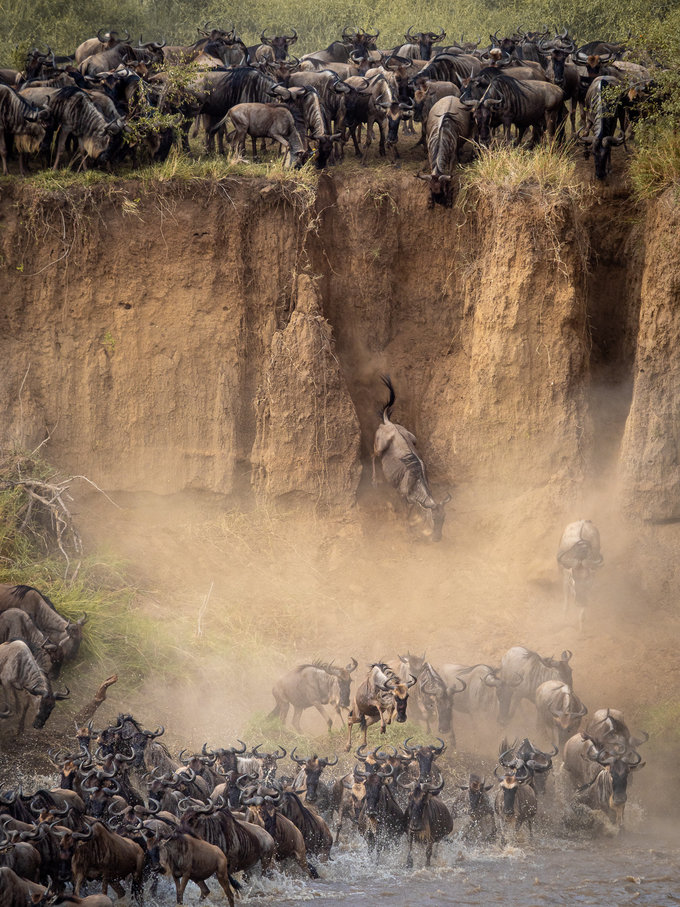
(548, 171)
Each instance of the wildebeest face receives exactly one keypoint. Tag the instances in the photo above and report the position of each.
(400, 700)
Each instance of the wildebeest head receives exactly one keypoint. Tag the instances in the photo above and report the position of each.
(477, 789)
(399, 693)
(438, 515)
(313, 767)
(361, 41)
(424, 755)
(73, 636)
(48, 700)
(561, 666)
(619, 766)
(421, 791)
(279, 43)
(373, 785)
(425, 40)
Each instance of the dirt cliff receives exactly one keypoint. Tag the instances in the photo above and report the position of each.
(161, 339)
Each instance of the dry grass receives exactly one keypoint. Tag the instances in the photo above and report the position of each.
(547, 171)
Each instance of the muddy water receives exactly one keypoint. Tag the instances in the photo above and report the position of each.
(637, 868)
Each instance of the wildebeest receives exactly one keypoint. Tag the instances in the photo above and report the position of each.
(578, 557)
(309, 780)
(604, 109)
(607, 791)
(419, 44)
(449, 124)
(427, 818)
(381, 820)
(404, 469)
(516, 801)
(16, 624)
(317, 836)
(529, 757)
(475, 805)
(558, 711)
(15, 891)
(186, 858)
(503, 100)
(607, 727)
(270, 121)
(272, 47)
(448, 67)
(377, 699)
(433, 688)
(242, 843)
(103, 41)
(102, 854)
(313, 686)
(484, 692)
(290, 844)
(366, 104)
(424, 755)
(21, 119)
(20, 674)
(534, 670)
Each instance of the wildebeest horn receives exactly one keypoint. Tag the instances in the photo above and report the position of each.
(181, 753)
(327, 763)
(297, 759)
(407, 785)
(255, 751)
(408, 34)
(382, 755)
(555, 751)
(242, 778)
(632, 754)
(414, 681)
(502, 759)
(291, 39)
(60, 696)
(495, 680)
(157, 733)
(232, 749)
(495, 771)
(389, 771)
(433, 788)
(409, 749)
(348, 31)
(352, 666)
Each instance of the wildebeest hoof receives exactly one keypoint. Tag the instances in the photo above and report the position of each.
(409, 862)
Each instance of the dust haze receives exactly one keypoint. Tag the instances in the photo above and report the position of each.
(250, 593)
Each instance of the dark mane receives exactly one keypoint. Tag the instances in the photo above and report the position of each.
(21, 591)
(414, 466)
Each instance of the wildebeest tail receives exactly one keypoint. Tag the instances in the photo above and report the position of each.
(386, 411)
(234, 883)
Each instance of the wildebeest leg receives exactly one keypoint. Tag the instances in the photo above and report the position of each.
(22, 715)
(61, 143)
(353, 133)
(297, 712)
(374, 480)
(320, 709)
(223, 879)
(178, 885)
(205, 891)
(381, 130)
(253, 145)
(428, 852)
(409, 856)
(3, 152)
(117, 887)
(285, 148)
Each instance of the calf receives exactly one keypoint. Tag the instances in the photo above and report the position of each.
(271, 121)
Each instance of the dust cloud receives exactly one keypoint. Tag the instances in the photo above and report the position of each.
(248, 594)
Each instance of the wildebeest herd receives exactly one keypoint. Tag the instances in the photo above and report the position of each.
(124, 809)
(113, 98)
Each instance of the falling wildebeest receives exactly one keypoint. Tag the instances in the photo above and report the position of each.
(578, 557)
(404, 469)
(313, 686)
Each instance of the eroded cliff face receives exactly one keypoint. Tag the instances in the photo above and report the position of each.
(167, 341)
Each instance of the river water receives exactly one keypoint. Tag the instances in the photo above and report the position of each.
(639, 868)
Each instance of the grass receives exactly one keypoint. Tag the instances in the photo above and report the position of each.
(547, 171)
(656, 165)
